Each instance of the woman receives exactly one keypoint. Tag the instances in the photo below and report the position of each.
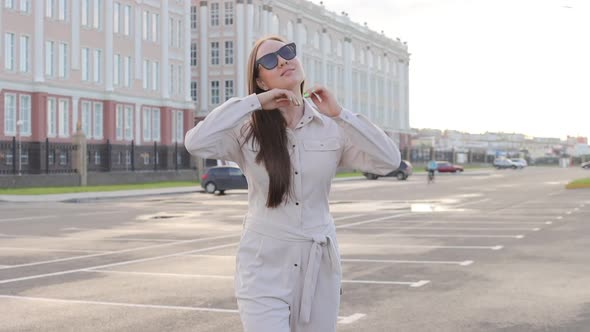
(288, 265)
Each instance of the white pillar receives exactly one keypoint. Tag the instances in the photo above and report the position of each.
(187, 52)
(298, 34)
(348, 73)
(324, 49)
(240, 54)
(407, 95)
(75, 103)
(75, 49)
(138, 42)
(137, 122)
(369, 59)
(265, 21)
(38, 40)
(108, 57)
(164, 46)
(249, 27)
(204, 64)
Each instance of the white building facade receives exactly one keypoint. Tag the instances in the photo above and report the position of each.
(367, 71)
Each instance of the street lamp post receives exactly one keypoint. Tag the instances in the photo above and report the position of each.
(19, 125)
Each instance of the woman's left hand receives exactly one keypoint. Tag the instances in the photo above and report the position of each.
(324, 100)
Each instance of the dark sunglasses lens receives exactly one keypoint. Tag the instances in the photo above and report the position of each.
(287, 52)
(269, 61)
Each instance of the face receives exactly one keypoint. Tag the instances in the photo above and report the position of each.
(287, 74)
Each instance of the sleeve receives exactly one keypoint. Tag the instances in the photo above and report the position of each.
(366, 147)
(216, 137)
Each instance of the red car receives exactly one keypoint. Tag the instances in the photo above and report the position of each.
(447, 167)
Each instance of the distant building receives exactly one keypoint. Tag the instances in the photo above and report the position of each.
(366, 70)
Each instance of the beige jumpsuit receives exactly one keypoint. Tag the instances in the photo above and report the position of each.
(288, 264)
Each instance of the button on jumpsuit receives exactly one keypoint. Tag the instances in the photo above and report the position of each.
(288, 265)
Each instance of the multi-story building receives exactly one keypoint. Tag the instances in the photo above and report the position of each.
(367, 71)
(119, 69)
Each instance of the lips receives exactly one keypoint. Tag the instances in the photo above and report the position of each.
(288, 70)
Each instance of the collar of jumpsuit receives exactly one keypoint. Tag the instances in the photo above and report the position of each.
(321, 238)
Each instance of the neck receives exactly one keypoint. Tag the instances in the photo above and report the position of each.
(293, 113)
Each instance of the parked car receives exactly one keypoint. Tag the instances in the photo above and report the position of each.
(519, 162)
(447, 167)
(222, 178)
(586, 165)
(401, 173)
(503, 163)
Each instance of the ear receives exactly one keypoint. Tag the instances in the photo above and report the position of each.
(261, 84)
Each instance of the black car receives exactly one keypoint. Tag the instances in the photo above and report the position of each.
(586, 165)
(401, 173)
(222, 178)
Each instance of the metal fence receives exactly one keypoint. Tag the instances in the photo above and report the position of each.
(51, 158)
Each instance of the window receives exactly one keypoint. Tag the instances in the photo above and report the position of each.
(117, 17)
(194, 16)
(215, 53)
(171, 38)
(146, 74)
(179, 33)
(127, 21)
(85, 122)
(145, 25)
(179, 78)
(85, 7)
(229, 89)
(117, 69)
(194, 54)
(63, 10)
(25, 115)
(9, 51)
(97, 66)
(9, 4)
(63, 114)
(229, 13)
(177, 126)
(85, 64)
(214, 92)
(9, 114)
(127, 71)
(290, 35)
(49, 58)
(51, 114)
(214, 14)
(25, 6)
(147, 124)
(97, 14)
(49, 4)
(194, 95)
(119, 122)
(63, 60)
(128, 123)
(156, 125)
(171, 87)
(155, 75)
(229, 52)
(155, 26)
(24, 54)
(98, 120)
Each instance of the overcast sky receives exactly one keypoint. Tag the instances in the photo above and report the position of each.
(490, 65)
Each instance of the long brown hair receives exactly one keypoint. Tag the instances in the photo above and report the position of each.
(268, 130)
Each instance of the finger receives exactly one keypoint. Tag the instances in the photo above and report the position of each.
(317, 96)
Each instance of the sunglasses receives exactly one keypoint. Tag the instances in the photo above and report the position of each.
(270, 60)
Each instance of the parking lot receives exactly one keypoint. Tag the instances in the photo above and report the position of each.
(486, 250)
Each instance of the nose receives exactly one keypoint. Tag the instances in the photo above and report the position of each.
(282, 61)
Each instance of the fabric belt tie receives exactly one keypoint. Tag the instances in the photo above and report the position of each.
(320, 241)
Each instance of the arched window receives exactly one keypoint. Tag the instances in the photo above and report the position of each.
(274, 29)
(290, 34)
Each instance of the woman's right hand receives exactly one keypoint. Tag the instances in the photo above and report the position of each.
(275, 98)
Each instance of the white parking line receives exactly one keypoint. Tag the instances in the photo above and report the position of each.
(474, 222)
(350, 319)
(116, 264)
(27, 218)
(376, 282)
(448, 228)
(520, 236)
(373, 220)
(123, 251)
(498, 247)
(462, 263)
(348, 217)
(53, 250)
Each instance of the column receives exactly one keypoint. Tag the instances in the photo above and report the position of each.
(39, 37)
(187, 53)
(138, 134)
(249, 27)
(240, 55)
(369, 59)
(264, 18)
(407, 95)
(298, 35)
(75, 49)
(324, 49)
(75, 112)
(165, 47)
(138, 42)
(348, 72)
(204, 63)
(108, 56)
